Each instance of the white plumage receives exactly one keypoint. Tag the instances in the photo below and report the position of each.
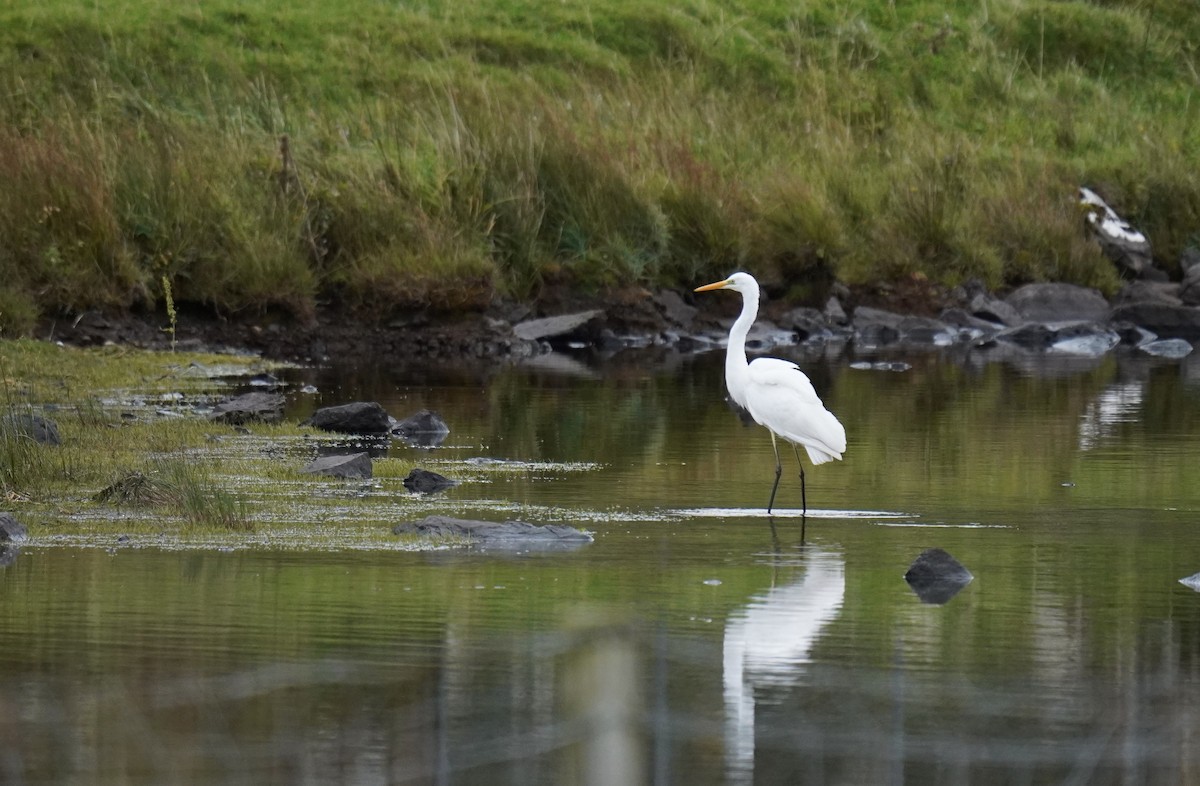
(776, 392)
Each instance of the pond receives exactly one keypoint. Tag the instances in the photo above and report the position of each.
(695, 640)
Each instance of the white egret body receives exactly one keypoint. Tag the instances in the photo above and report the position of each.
(776, 392)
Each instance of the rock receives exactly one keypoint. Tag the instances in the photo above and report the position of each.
(1189, 259)
(874, 326)
(354, 465)
(507, 535)
(1170, 348)
(1189, 288)
(26, 424)
(1163, 319)
(974, 326)
(1149, 292)
(1058, 303)
(936, 577)
(424, 429)
(993, 309)
(256, 407)
(359, 417)
(1192, 582)
(674, 309)
(1128, 248)
(548, 327)
(11, 530)
(1084, 338)
(1131, 334)
(422, 481)
(1033, 335)
(808, 323)
(834, 313)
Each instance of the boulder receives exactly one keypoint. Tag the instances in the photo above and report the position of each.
(877, 327)
(507, 535)
(936, 577)
(1189, 288)
(993, 309)
(422, 481)
(548, 327)
(674, 310)
(1163, 319)
(1168, 348)
(359, 417)
(424, 429)
(1143, 291)
(352, 466)
(11, 530)
(257, 407)
(808, 323)
(1055, 302)
(26, 424)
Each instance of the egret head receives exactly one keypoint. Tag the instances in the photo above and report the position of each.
(738, 282)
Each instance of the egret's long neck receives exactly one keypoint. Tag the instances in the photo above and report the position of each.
(736, 368)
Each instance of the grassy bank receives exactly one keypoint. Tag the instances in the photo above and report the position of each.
(440, 154)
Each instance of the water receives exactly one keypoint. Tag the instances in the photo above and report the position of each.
(696, 640)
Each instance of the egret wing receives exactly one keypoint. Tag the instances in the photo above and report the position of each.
(782, 398)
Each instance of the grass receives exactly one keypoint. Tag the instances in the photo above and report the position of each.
(124, 468)
(380, 158)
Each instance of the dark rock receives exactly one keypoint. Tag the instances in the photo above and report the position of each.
(958, 318)
(422, 481)
(1189, 259)
(359, 417)
(1189, 288)
(11, 530)
(674, 309)
(877, 327)
(26, 424)
(834, 313)
(356, 465)
(993, 309)
(809, 323)
(936, 577)
(548, 327)
(1034, 336)
(425, 429)
(507, 535)
(1131, 334)
(256, 407)
(1143, 291)
(1163, 319)
(1058, 303)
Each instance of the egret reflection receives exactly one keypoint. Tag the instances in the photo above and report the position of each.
(768, 644)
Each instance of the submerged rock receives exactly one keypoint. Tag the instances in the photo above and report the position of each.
(936, 577)
(355, 465)
(26, 424)
(424, 429)
(422, 481)
(359, 417)
(11, 530)
(507, 535)
(256, 407)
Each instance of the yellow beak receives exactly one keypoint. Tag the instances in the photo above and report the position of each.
(712, 286)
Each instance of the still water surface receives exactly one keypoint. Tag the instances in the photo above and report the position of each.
(696, 640)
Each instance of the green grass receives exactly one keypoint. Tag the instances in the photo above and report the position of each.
(441, 154)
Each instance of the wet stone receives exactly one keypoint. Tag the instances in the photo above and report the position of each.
(494, 534)
(936, 577)
(356, 466)
(358, 417)
(422, 481)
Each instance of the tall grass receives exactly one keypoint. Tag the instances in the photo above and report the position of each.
(438, 156)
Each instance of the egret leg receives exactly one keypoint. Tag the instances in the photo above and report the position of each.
(778, 472)
(803, 496)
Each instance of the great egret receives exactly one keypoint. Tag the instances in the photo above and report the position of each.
(776, 393)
